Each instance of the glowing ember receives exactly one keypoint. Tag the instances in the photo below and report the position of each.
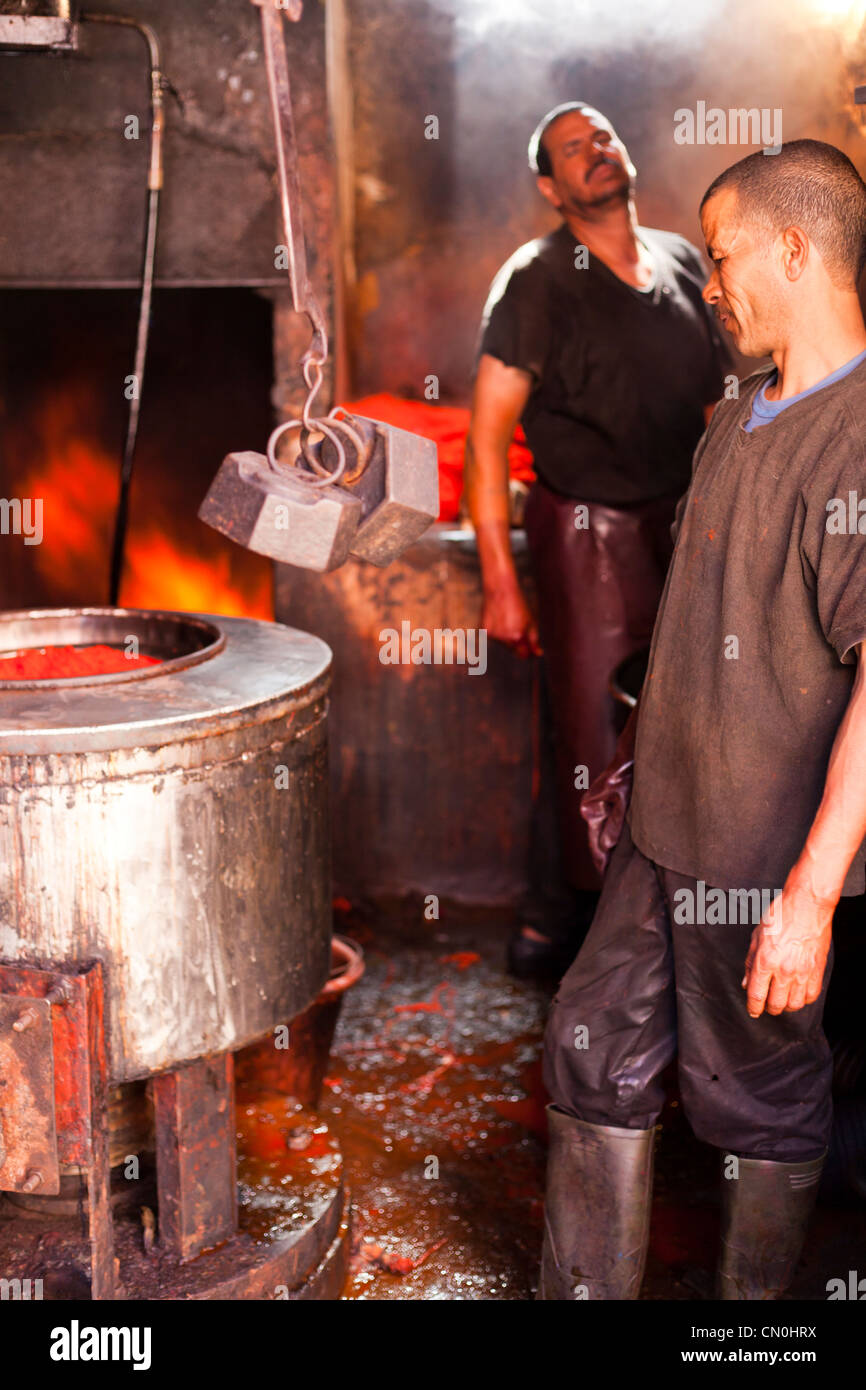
(59, 663)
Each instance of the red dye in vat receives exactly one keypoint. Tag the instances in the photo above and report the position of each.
(59, 663)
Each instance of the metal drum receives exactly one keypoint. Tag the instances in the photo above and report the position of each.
(171, 822)
(436, 765)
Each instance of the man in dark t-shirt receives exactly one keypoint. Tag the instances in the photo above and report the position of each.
(597, 339)
(712, 939)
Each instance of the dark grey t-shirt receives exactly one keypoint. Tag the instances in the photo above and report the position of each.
(620, 375)
(752, 666)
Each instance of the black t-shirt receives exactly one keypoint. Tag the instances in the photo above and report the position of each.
(620, 375)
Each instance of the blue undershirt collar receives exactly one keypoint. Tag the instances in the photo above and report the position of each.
(763, 411)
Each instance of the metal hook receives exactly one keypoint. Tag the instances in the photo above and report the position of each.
(324, 428)
(361, 447)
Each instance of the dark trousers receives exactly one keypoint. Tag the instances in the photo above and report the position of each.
(598, 589)
(552, 905)
(644, 988)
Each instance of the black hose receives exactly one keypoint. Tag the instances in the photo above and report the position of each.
(154, 184)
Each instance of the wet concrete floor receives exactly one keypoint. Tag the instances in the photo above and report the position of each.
(434, 1089)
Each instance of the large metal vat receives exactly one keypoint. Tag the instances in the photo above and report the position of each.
(432, 769)
(172, 823)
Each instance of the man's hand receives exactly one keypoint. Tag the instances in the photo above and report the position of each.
(499, 398)
(508, 618)
(788, 952)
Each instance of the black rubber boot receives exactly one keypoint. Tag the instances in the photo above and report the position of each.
(765, 1212)
(597, 1208)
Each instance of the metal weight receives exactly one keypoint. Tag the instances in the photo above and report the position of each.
(387, 497)
(398, 485)
(283, 513)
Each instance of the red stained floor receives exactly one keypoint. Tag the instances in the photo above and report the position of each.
(434, 1089)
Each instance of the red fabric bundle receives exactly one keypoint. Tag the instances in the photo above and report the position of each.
(448, 425)
(58, 663)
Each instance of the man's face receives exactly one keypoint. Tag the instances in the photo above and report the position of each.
(745, 288)
(590, 163)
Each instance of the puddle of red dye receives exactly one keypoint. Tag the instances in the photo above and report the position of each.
(530, 1113)
(433, 1005)
(263, 1126)
(424, 1084)
(462, 959)
(63, 663)
(272, 1125)
(525, 1113)
(369, 1253)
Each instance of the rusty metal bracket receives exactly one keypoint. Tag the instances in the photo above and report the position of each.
(28, 1129)
(57, 1067)
(196, 1157)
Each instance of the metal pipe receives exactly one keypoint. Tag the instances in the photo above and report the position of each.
(154, 185)
(277, 68)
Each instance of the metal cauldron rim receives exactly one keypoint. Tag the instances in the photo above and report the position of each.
(262, 666)
(212, 641)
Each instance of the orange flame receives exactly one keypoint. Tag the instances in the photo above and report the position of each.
(173, 560)
(159, 576)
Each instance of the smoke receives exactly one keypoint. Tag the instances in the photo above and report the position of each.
(600, 26)
(799, 59)
(641, 62)
(490, 71)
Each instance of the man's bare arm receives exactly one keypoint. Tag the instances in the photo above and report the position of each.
(788, 953)
(498, 401)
